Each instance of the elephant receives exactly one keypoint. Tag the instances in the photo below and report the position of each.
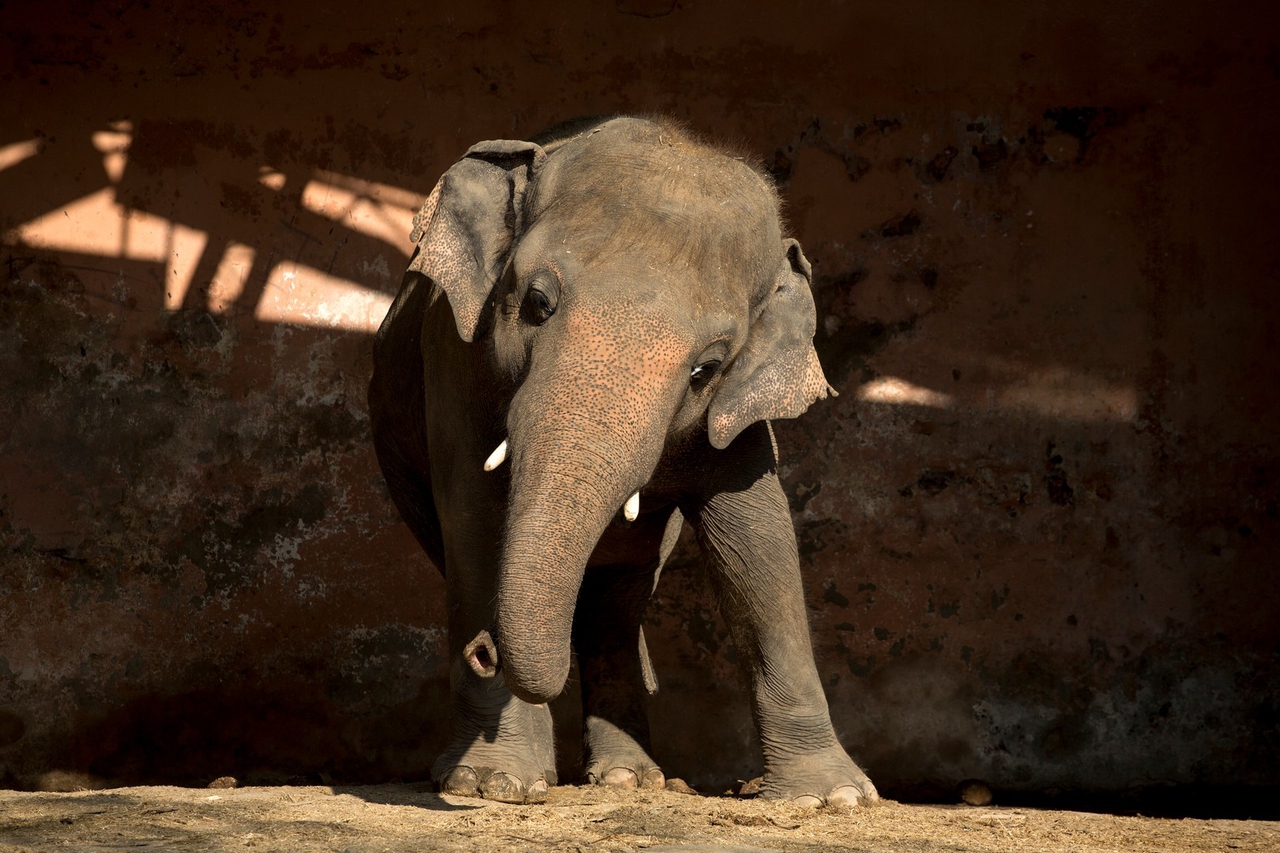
(592, 336)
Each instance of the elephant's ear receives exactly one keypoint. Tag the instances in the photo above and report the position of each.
(469, 222)
(776, 374)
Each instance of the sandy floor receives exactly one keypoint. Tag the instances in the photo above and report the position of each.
(405, 817)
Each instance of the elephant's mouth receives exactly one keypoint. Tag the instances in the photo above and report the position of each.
(630, 510)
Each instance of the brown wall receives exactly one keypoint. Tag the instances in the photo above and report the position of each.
(1038, 526)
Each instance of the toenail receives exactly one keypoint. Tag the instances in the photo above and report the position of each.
(620, 777)
(503, 788)
(846, 795)
(654, 779)
(537, 792)
(460, 781)
(807, 801)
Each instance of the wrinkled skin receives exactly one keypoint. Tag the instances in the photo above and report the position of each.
(618, 303)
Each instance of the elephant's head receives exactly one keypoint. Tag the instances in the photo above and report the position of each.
(634, 286)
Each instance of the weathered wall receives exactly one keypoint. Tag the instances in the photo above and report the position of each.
(1038, 526)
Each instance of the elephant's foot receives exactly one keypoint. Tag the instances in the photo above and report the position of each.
(825, 777)
(616, 758)
(513, 762)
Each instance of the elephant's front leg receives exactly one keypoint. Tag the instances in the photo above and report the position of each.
(745, 530)
(502, 748)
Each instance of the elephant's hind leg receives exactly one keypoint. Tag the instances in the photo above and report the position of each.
(617, 677)
(612, 662)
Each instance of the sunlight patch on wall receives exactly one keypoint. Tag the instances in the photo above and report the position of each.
(114, 144)
(1052, 392)
(13, 154)
(294, 293)
(97, 225)
(92, 225)
(1065, 394)
(373, 209)
(230, 278)
(303, 296)
(891, 389)
(271, 179)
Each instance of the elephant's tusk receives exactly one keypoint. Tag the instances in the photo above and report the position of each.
(497, 457)
(632, 507)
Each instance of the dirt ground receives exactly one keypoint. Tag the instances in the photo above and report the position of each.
(408, 817)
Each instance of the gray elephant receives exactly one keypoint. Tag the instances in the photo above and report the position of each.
(589, 343)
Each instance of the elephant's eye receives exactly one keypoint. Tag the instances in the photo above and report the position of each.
(702, 374)
(539, 302)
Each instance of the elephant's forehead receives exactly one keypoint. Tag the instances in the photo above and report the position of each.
(686, 207)
(693, 271)
(681, 297)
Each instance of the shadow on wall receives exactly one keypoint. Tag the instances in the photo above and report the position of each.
(279, 247)
(302, 246)
(190, 502)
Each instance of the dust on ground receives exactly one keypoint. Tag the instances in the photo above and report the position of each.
(411, 818)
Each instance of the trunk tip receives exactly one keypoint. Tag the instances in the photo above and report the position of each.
(535, 696)
(482, 655)
(539, 688)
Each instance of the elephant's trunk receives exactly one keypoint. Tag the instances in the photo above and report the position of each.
(586, 432)
(557, 515)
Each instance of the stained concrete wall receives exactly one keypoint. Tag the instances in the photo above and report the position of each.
(1038, 526)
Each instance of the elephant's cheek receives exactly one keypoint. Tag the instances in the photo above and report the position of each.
(606, 383)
